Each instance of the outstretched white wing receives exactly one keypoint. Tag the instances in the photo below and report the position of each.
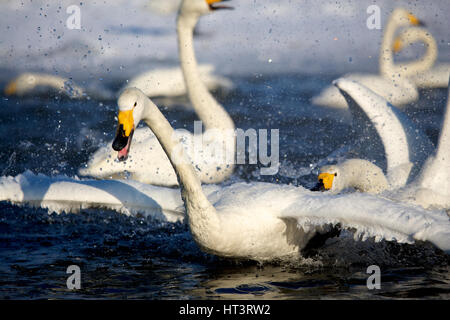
(371, 216)
(58, 194)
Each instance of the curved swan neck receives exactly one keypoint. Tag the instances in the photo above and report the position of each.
(202, 215)
(387, 66)
(165, 134)
(425, 62)
(386, 60)
(208, 109)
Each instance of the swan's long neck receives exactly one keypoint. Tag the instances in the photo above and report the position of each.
(212, 114)
(391, 70)
(203, 220)
(386, 61)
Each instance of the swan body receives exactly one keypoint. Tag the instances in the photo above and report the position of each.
(30, 82)
(392, 82)
(147, 161)
(260, 221)
(430, 186)
(169, 82)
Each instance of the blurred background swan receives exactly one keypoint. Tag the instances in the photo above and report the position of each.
(169, 82)
(392, 82)
(38, 83)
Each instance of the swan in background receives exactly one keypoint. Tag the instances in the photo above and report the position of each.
(431, 186)
(435, 77)
(169, 82)
(392, 82)
(260, 221)
(147, 161)
(30, 82)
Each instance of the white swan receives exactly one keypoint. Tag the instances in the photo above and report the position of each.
(260, 221)
(434, 77)
(147, 161)
(30, 82)
(392, 82)
(169, 82)
(431, 186)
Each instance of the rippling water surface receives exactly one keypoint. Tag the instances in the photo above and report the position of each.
(135, 257)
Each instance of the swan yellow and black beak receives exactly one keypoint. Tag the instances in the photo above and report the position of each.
(214, 6)
(413, 20)
(124, 135)
(325, 182)
(11, 88)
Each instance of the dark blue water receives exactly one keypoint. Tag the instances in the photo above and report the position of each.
(135, 257)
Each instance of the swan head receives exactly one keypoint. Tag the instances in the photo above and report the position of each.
(404, 18)
(20, 85)
(201, 7)
(328, 179)
(359, 174)
(131, 104)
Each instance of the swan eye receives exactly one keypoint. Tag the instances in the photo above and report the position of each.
(335, 174)
(135, 104)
